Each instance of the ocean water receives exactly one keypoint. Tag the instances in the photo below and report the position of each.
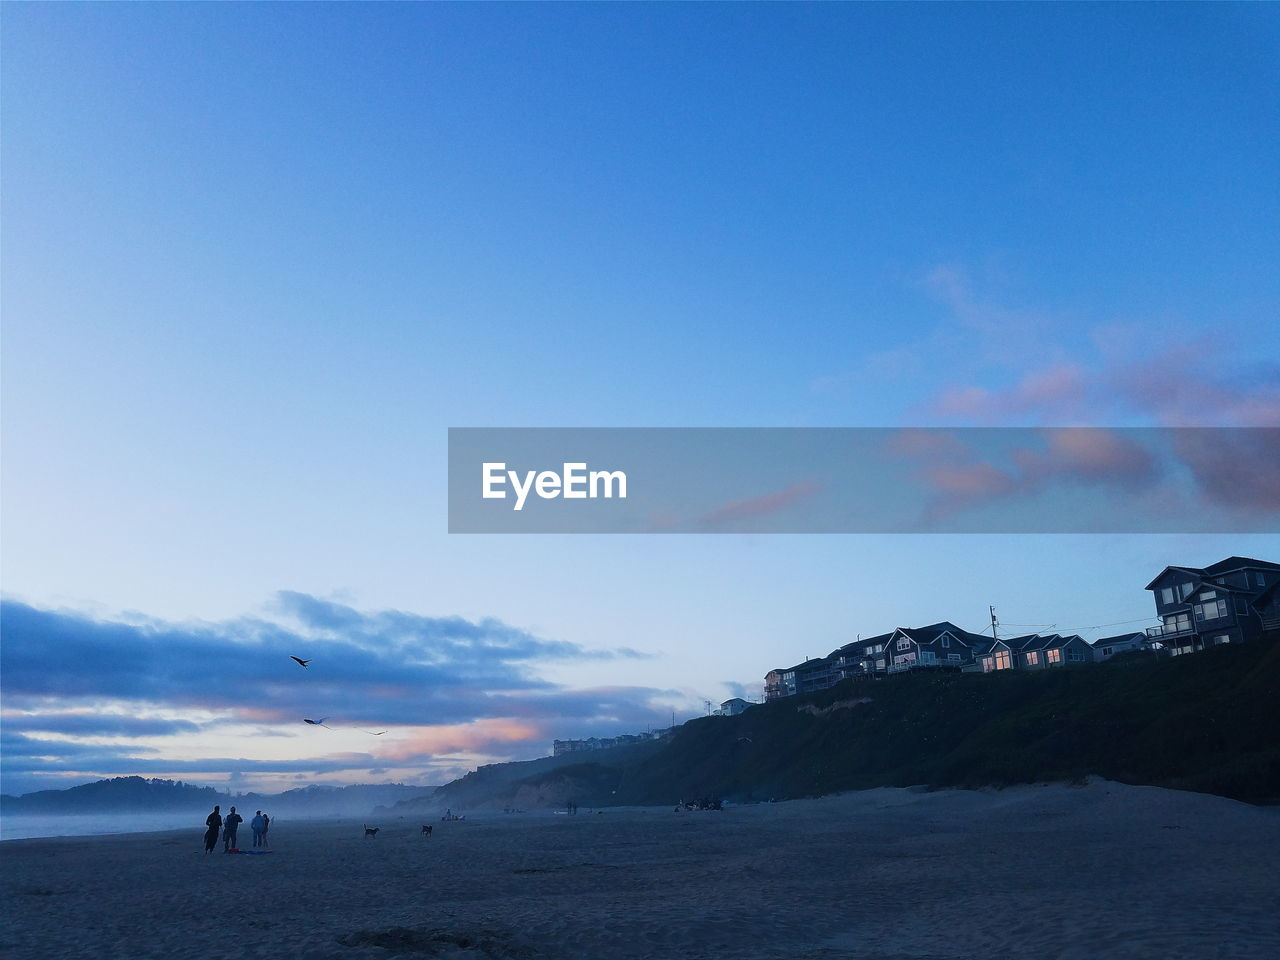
(96, 824)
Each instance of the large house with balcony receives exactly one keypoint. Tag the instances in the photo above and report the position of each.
(1202, 606)
(937, 645)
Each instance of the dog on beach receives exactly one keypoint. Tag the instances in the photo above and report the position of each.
(371, 831)
(426, 830)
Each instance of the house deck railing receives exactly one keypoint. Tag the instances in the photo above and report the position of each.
(927, 664)
(1167, 630)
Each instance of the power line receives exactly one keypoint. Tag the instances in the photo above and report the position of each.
(1095, 626)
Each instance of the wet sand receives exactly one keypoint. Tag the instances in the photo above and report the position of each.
(1052, 871)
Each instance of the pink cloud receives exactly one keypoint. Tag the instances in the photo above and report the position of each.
(1088, 455)
(1062, 387)
(1235, 468)
(1164, 375)
(479, 736)
(752, 507)
(1179, 387)
(959, 477)
(1178, 390)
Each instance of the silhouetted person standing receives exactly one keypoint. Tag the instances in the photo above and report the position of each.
(214, 824)
(256, 825)
(229, 826)
(266, 822)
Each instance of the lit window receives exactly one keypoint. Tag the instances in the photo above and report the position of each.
(1033, 659)
(1002, 660)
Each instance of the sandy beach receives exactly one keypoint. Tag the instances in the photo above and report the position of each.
(1103, 870)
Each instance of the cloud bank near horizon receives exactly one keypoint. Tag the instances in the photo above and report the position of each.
(98, 697)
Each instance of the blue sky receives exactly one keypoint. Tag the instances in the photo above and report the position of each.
(258, 258)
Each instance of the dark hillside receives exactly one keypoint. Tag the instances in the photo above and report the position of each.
(1206, 722)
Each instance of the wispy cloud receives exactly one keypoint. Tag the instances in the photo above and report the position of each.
(1022, 370)
(751, 508)
(1231, 468)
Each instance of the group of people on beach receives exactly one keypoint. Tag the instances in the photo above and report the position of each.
(216, 823)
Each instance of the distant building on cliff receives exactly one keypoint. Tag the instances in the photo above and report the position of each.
(559, 747)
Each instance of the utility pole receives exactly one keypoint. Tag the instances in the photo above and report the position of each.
(994, 623)
(708, 703)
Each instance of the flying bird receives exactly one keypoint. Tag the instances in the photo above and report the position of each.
(316, 723)
(372, 734)
(302, 663)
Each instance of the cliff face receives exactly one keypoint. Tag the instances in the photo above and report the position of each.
(1205, 722)
(548, 782)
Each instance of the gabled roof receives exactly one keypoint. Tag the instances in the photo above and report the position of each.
(1122, 638)
(1043, 642)
(933, 631)
(1036, 641)
(1015, 644)
(1194, 571)
(1062, 641)
(1239, 563)
(1229, 565)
